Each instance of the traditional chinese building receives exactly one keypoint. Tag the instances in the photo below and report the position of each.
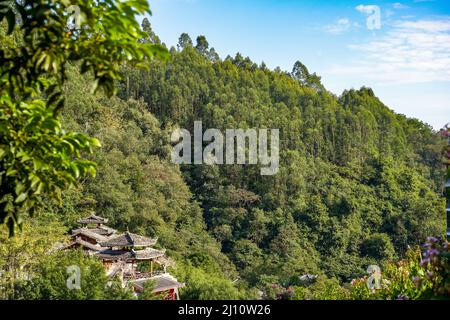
(164, 285)
(129, 248)
(92, 232)
(127, 256)
(93, 220)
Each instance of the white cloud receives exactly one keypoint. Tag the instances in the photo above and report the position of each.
(389, 13)
(426, 25)
(340, 26)
(398, 5)
(411, 52)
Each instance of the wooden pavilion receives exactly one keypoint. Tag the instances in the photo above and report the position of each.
(125, 254)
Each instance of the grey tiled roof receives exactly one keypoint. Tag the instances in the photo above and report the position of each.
(93, 219)
(126, 255)
(84, 244)
(103, 230)
(129, 240)
(148, 253)
(115, 255)
(89, 233)
(162, 283)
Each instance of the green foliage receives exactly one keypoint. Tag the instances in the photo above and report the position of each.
(34, 266)
(136, 185)
(49, 40)
(201, 285)
(37, 157)
(147, 293)
(396, 281)
(302, 75)
(52, 276)
(21, 256)
(357, 184)
(115, 290)
(184, 41)
(323, 288)
(420, 276)
(378, 246)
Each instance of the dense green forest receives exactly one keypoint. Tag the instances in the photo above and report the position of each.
(358, 184)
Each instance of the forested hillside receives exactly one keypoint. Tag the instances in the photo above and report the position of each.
(357, 185)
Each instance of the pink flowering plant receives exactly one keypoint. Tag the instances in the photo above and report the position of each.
(436, 261)
(278, 292)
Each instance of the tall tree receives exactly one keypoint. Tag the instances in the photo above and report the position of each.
(202, 45)
(151, 36)
(301, 74)
(184, 41)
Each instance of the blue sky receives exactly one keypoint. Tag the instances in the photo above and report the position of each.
(403, 53)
